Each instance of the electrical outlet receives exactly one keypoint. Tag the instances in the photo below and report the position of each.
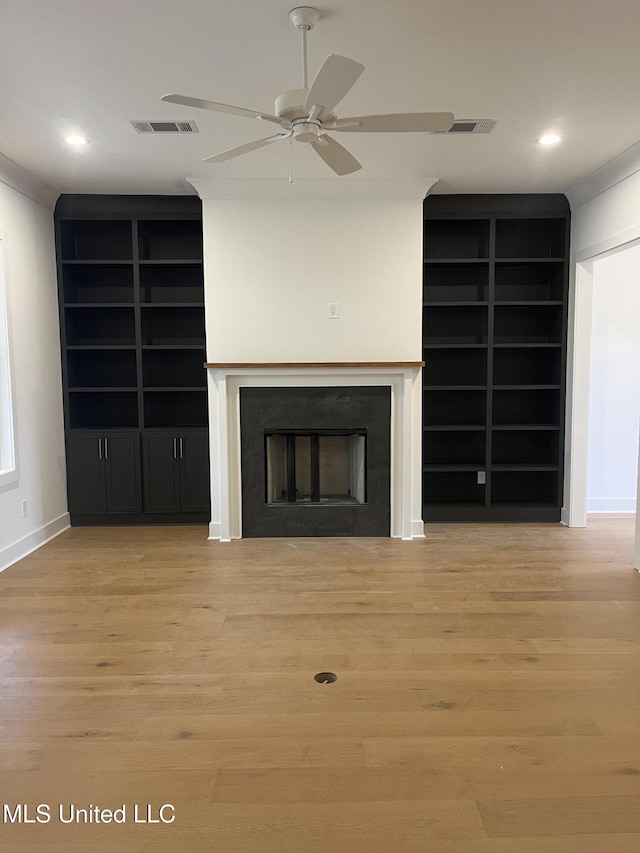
(334, 310)
(25, 511)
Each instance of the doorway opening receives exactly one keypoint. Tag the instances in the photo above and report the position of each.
(614, 384)
(587, 277)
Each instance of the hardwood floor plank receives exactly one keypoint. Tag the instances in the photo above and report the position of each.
(100, 785)
(409, 626)
(540, 782)
(534, 661)
(477, 757)
(330, 786)
(72, 847)
(628, 843)
(559, 816)
(472, 723)
(586, 645)
(619, 719)
(91, 727)
(184, 754)
(348, 826)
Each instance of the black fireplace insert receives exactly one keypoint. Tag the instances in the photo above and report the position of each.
(315, 461)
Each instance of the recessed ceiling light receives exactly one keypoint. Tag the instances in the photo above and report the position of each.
(549, 139)
(75, 140)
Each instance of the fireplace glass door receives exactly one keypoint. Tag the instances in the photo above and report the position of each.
(315, 467)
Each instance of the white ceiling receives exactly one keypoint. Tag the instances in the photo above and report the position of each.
(73, 65)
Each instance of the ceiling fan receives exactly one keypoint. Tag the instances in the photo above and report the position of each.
(306, 114)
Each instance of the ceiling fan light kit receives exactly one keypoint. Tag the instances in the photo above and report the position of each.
(305, 114)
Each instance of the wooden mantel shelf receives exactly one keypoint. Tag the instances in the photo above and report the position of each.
(311, 364)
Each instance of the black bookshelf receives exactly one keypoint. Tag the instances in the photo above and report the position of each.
(494, 347)
(131, 297)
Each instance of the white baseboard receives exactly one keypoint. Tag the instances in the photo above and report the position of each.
(215, 532)
(417, 529)
(416, 532)
(12, 553)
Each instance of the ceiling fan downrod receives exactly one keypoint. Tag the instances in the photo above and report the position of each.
(303, 18)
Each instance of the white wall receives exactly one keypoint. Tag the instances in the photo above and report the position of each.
(33, 318)
(614, 405)
(273, 265)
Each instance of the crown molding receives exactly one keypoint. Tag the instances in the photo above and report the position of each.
(334, 188)
(25, 182)
(616, 170)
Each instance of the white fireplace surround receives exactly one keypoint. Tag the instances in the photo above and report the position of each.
(404, 380)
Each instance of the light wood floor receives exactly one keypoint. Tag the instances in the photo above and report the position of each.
(488, 693)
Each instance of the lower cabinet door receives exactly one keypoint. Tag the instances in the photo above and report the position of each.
(123, 478)
(161, 472)
(85, 464)
(195, 476)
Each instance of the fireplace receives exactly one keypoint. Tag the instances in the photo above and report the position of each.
(315, 461)
(239, 453)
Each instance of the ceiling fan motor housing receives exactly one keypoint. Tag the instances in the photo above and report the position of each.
(290, 106)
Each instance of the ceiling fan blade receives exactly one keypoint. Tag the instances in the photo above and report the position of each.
(395, 123)
(335, 156)
(332, 82)
(201, 104)
(244, 149)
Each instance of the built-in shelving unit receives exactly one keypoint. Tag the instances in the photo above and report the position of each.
(133, 347)
(494, 346)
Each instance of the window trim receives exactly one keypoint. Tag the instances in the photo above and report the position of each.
(9, 474)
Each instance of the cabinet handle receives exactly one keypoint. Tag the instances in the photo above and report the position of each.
(181, 449)
(99, 448)
(106, 449)
(175, 448)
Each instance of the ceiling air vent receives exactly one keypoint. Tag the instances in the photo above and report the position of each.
(471, 125)
(164, 126)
